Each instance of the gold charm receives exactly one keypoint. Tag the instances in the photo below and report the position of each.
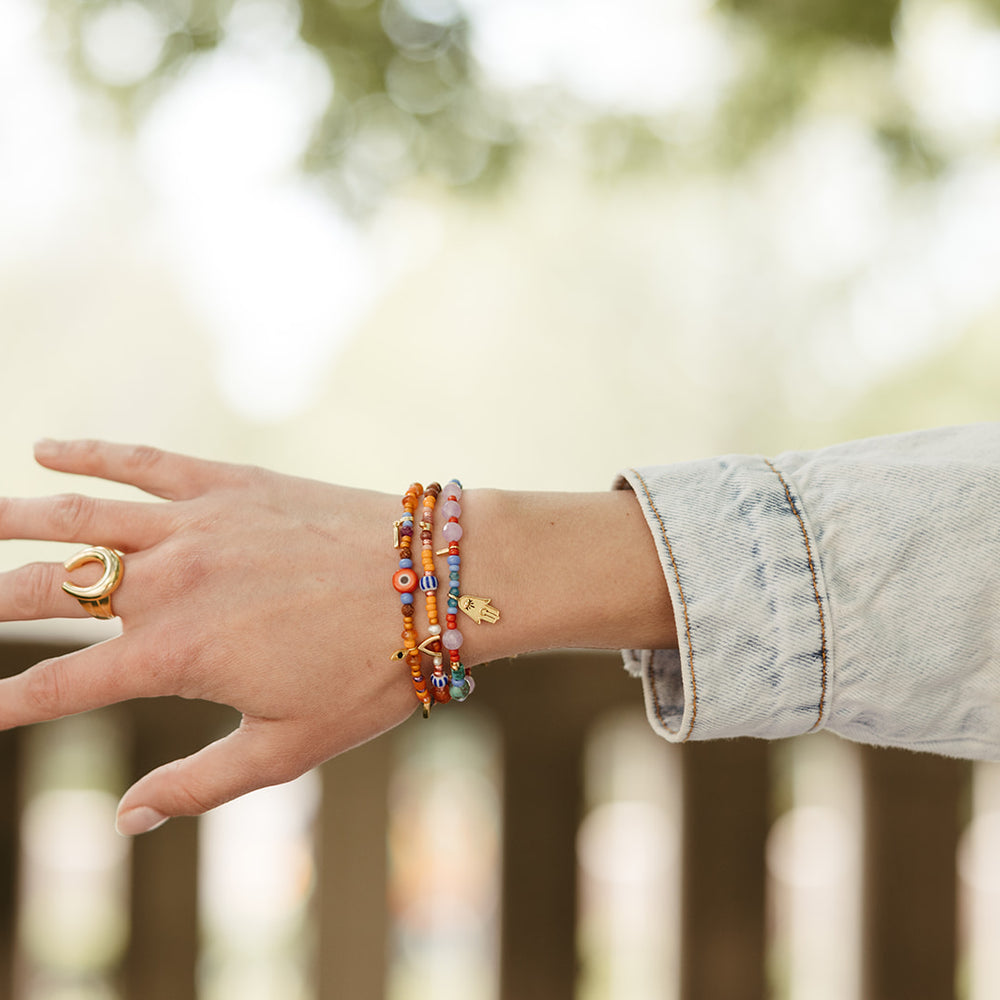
(400, 654)
(428, 641)
(396, 525)
(479, 609)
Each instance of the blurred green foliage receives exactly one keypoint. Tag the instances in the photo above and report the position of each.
(408, 100)
(862, 22)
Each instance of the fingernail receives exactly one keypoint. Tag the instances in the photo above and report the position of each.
(142, 819)
(45, 444)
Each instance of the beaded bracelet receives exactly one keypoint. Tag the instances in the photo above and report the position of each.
(429, 585)
(461, 681)
(458, 685)
(405, 581)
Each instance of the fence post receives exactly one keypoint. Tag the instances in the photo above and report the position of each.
(10, 814)
(912, 824)
(14, 657)
(545, 705)
(352, 876)
(726, 815)
(162, 959)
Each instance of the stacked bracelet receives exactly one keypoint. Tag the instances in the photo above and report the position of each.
(461, 683)
(404, 581)
(458, 683)
(429, 586)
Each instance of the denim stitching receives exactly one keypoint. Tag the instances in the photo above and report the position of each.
(687, 620)
(815, 582)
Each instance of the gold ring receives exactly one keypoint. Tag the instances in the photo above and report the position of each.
(96, 600)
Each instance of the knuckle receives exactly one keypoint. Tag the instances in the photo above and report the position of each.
(280, 759)
(33, 589)
(189, 799)
(183, 572)
(279, 769)
(142, 457)
(44, 686)
(70, 513)
(87, 453)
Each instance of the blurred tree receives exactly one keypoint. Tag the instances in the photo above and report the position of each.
(865, 22)
(405, 95)
(408, 99)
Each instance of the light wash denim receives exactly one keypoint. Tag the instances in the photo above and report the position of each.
(855, 589)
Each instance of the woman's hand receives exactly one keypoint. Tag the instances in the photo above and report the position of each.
(252, 589)
(272, 594)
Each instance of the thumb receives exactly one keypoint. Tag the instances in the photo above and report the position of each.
(250, 757)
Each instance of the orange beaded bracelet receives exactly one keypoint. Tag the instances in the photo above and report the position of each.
(404, 581)
(429, 586)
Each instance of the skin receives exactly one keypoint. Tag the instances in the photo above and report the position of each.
(270, 593)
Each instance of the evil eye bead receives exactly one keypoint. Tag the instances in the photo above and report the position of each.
(404, 580)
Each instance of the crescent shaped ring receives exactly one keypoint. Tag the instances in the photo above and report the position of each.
(96, 599)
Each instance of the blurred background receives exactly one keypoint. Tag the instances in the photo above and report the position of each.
(599, 235)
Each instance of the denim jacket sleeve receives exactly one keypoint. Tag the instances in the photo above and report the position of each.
(855, 589)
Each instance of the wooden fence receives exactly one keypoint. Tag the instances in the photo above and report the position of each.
(913, 809)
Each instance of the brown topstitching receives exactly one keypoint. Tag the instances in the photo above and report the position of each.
(819, 600)
(687, 621)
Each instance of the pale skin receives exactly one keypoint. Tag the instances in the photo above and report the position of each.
(271, 594)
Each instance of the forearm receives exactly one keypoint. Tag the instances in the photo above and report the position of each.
(566, 570)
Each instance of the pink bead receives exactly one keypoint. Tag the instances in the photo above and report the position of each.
(453, 639)
(451, 508)
(452, 531)
(453, 490)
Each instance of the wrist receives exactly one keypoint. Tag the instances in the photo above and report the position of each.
(565, 570)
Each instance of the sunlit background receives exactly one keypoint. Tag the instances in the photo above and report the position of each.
(595, 235)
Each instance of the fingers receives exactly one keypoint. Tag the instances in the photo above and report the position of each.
(99, 675)
(251, 757)
(34, 592)
(161, 473)
(72, 517)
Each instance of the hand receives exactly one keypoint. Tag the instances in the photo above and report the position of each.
(248, 588)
